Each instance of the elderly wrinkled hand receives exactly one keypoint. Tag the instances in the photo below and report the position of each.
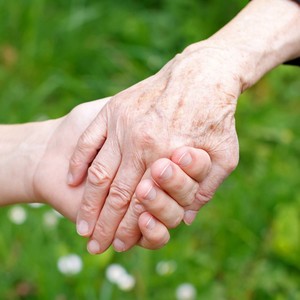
(191, 101)
(58, 139)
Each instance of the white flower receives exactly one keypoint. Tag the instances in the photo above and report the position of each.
(166, 267)
(50, 219)
(36, 205)
(114, 272)
(126, 282)
(17, 215)
(70, 264)
(186, 291)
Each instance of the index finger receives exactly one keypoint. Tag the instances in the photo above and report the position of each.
(115, 206)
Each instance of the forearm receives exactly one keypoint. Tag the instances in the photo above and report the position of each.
(21, 147)
(262, 36)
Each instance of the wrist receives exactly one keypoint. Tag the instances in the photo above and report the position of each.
(262, 36)
(22, 147)
(221, 64)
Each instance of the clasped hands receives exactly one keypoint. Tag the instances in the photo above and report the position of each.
(153, 155)
(156, 152)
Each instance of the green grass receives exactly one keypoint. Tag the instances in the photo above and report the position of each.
(244, 245)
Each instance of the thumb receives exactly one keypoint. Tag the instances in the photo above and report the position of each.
(87, 148)
(205, 192)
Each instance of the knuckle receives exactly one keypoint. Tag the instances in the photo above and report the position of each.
(128, 228)
(146, 138)
(144, 135)
(126, 231)
(232, 164)
(230, 161)
(203, 198)
(187, 200)
(102, 233)
(89, 208)
(120, 197)
(187, 197)
(137, 207)
(98, 174)
(173, 223)
(76, 161)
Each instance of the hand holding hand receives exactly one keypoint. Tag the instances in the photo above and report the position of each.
(49, 185)
(168, 196)
(191, 101)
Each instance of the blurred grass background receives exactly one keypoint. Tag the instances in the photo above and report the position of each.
(244, 245)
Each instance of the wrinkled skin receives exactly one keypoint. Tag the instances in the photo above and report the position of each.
(191, 101)
(58, 139)
(49, 180)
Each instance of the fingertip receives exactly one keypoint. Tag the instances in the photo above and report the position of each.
(143, 189)
(155, 234)
(195, 162)
(189, 217)
(144, 220)
(83, 228)
(185, 156)
(180, 153)
(119, 245)
(161, 169)
(76, 174)
(93, 247)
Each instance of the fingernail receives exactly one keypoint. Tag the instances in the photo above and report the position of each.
(93, 247)
(185, 159)
(166, 173)
(151, 223)
(151, 194)
(70, 178)
(83, 227)
(119, 245)
(189, 217)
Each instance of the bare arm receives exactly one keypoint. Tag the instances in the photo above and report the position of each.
(190, 101)
(21, 148)
(34, 160)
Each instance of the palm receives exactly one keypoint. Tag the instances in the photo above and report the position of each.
(50, 176)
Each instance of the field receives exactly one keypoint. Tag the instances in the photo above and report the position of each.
(245, 244)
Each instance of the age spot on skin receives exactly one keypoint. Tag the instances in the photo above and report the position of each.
(198, 123)
(212, 127)
(180, 103)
